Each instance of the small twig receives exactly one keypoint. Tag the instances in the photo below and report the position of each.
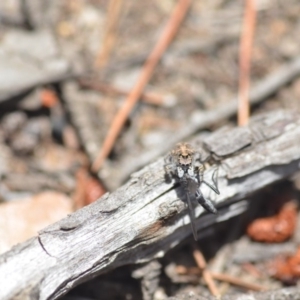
(112, 20)
(252, 270)
(146, 73)
(236, 281)
(201, 263)
(222, 277)
(245, 62)
(109, 89)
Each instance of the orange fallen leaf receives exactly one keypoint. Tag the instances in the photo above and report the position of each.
(94, 190)
(286, 269)
(277, 228)
(88, 189)
(48, 97)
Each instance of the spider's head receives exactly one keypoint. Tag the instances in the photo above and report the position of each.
(184, 153)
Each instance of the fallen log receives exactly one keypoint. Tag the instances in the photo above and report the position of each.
(147, 216)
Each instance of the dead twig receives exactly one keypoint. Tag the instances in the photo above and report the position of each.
(146, 73)
(245, 62)
(201, 263)
(112, 21)
(102, 87)
(222, 277)
(238, 282)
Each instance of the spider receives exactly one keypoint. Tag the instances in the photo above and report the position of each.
(185, 164)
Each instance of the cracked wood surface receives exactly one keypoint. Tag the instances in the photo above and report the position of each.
(146, 217)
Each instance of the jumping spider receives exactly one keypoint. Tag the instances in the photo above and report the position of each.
(185, 164)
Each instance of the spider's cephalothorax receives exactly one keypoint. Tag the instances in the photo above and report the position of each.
(186, 165)
(184, 153)
(182, 158)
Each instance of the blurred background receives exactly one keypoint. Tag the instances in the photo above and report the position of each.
(68, 66)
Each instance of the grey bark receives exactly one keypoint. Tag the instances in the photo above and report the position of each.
(146, 217)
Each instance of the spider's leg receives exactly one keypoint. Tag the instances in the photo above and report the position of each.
(168, 161)
(197, 157)
(199, 168)
(215, 182)
(205, 203)
(214, 188)
(169, 166)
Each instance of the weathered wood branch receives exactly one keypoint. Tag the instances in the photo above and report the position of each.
(146, 217)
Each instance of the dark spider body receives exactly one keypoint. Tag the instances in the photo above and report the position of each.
(187, 167)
